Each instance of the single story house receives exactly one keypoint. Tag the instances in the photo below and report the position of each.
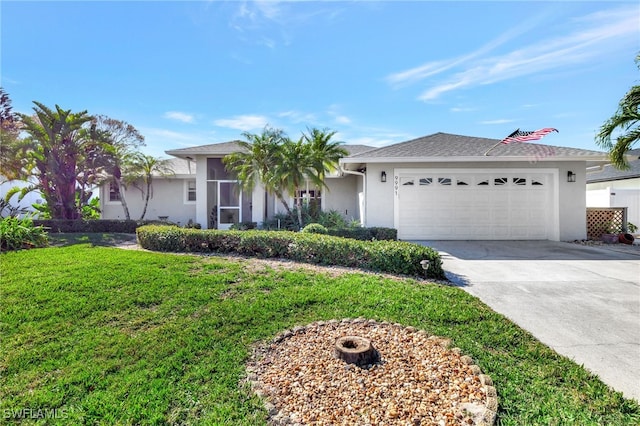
(441, 186)
(610, 187)
(172, 197)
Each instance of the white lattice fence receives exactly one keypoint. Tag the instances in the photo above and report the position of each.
(605, 220)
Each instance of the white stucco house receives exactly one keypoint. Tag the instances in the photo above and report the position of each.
(610, 187)
(441, 186)
(172, 197)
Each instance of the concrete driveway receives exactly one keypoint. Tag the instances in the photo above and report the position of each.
(584, 302)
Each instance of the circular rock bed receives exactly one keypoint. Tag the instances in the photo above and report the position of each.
(416, 379)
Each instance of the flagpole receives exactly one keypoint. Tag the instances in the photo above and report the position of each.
(487, 152)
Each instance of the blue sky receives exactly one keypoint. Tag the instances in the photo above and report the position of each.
(194, 73)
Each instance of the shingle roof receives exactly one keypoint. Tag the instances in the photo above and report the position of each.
(357, 149)
(223, 148)
(440, 145)
(226, 148)
(182, 167)
(609, 172)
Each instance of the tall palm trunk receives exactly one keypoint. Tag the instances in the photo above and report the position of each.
(123, 200)
(146, 199)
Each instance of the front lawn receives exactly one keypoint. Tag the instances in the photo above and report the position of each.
(110, 336)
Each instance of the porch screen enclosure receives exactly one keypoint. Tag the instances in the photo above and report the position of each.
(227, 204)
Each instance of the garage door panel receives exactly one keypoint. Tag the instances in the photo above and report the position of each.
(491, 205)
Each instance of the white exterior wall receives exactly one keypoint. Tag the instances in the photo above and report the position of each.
(342, 196)
(617, 193)
(168, 199)
(29, 199)
(571, 200)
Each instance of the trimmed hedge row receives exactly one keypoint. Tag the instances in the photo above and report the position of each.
(365, 234)
(101, 225)
(394, 257)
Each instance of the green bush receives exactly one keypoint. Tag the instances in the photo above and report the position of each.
(332, 219)
(394, 257)
(102, 225)
(314, 228)
(366, 234)
(16, 234)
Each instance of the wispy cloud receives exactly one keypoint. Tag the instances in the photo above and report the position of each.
(279, 19)
(243, 122)
(298, 116)
(462, 109)
(591, 36)
(498, 121)
(180, 116)
(343, 119)
(159, 139)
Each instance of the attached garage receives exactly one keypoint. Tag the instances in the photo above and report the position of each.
(454, 187)
(481, 204)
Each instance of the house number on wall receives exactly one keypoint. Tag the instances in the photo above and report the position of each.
(395, 184)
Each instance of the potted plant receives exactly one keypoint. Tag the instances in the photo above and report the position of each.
(610, 236)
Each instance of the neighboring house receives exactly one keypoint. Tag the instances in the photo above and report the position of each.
(610, 187)
(441, 186)
(173, 197)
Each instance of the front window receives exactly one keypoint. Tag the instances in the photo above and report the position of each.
(114, 193)
(191, 191)
(308, 196)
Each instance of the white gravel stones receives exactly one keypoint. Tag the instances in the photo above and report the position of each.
(419, 380)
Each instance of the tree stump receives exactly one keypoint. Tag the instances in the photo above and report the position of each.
(355, 350)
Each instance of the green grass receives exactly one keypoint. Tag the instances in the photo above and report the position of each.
(110, 336)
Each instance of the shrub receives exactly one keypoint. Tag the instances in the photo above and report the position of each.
(244, 226)
(102, 225)
(394, 257)
(314, 228)
(366, 234)
(332, 219)
(16, 234)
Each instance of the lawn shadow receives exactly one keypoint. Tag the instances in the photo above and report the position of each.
(100, 239)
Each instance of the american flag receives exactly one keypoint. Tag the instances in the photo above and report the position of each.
(525, 136)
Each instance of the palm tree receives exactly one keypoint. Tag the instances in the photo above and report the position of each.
(257, 162)
(143, 168)
(626, 120)
(325, 152)
(296, 165)
(121, 141)
(54, 152)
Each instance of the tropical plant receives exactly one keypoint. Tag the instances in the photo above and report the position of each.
(625, 123)
(53, 153)
(282, 165)
(9, 210)
(325, 152)
(143, 168)
(254, 162)
(9, 135)
(16, 234)
(121, 142)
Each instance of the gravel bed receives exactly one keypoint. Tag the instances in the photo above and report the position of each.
(418, 380)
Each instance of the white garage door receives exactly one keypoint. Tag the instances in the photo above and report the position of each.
(478, 204)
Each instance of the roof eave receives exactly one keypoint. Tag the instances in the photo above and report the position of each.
(470, 159)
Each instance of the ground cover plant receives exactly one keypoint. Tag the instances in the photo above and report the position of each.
(111, 336)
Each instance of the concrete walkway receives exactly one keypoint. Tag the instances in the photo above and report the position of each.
(584, 302)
